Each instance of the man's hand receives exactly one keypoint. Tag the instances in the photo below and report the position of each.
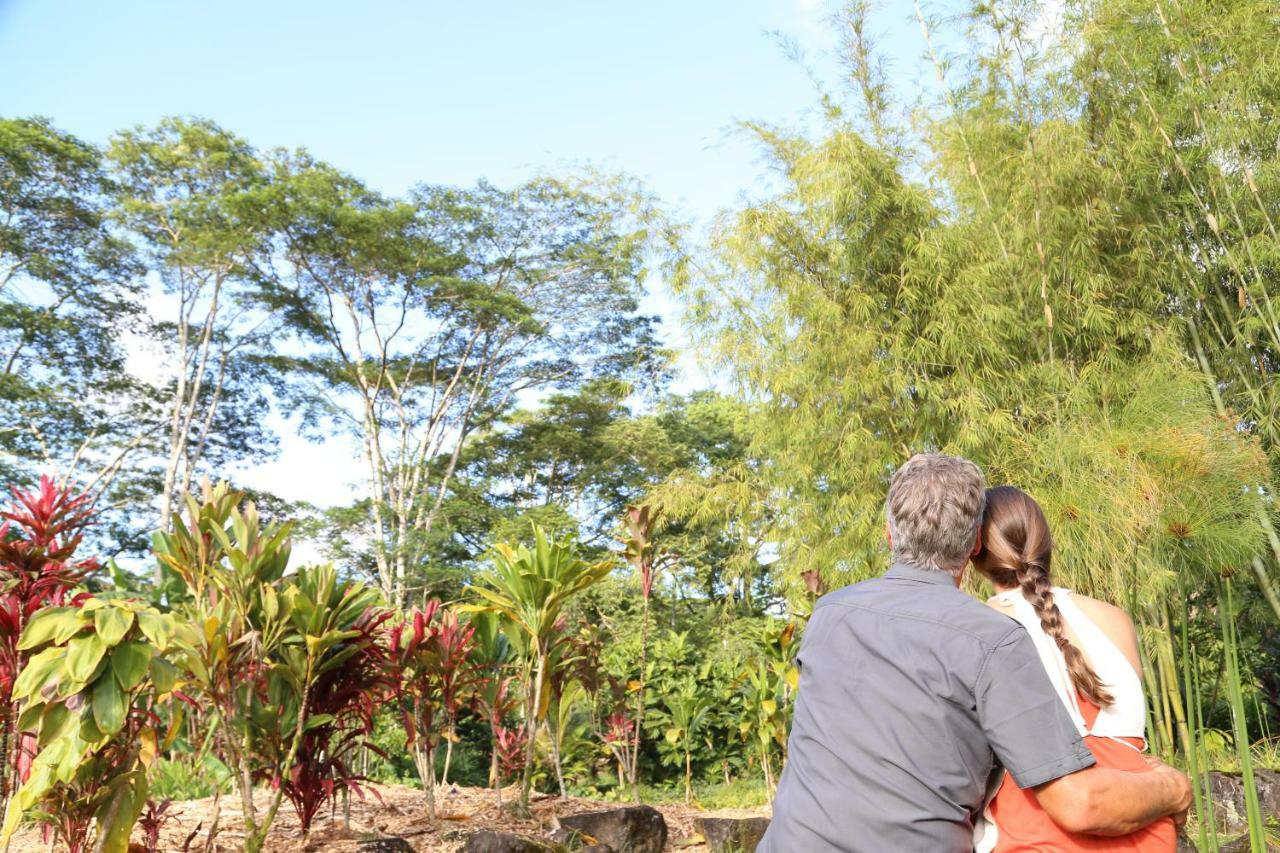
(1181, 780)
(1103, 801)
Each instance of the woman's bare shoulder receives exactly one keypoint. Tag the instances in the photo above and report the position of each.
(1115, 622)
(1104, 613)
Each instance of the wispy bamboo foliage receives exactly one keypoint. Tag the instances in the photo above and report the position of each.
(1064, 270)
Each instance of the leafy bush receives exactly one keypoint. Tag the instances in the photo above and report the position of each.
(180, 778)
(348, 681)
(39, 535)
(433, 671)
(90, 694)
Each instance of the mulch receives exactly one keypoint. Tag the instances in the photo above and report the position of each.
(396, 811)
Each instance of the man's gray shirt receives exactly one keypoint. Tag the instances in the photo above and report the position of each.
(907, 688)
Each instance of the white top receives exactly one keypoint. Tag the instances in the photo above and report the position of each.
(1125, 717)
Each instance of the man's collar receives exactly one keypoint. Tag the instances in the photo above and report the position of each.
(906, 571)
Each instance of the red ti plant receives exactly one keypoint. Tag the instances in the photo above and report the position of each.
(454, 676)
(430, 659)
(154, 818)
(618, 730)
(511, 753)
(39, 535)
(343, 702)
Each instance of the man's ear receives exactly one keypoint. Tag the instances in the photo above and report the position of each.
(977, 544)
(888, 534)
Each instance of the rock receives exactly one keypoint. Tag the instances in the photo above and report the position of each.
(736, 834)
(384, 845)
(1227, 790)
(1185, 845)
(634, 829)
(1241, 845)
(574, 841)
(502, 842)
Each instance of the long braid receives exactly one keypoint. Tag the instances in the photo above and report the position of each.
(1017, 548)
(1033, 580)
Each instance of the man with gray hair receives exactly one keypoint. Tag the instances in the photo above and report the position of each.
(912, 693)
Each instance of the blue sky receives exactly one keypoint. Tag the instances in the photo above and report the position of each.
(400, 92)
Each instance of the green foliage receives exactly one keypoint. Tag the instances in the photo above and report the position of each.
(97, 674)
(69, 292)
(530, 588)
(258, 647)
(180, 778)
(680, 721)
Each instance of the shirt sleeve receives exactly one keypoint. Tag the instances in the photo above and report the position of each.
(1030, 732)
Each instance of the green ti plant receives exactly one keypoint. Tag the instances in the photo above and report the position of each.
(767, 688)
(252, 642)
(681, 719)
(529, 588)
(570, 674)
(91, 692)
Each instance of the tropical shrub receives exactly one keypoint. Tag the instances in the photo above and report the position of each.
(646, 558)
(232, 633)
(90, 694)
(529, 588)
(493, 698)
(680, 721)
(348, 677)
(255, 646)
(430, 654)
(39, 535)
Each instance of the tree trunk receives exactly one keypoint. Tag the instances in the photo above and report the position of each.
(494, 781)
(688, 778)
(554, 737)
(448, 757)
(531, 727)
(424, 758)
(644, 663)
(213, 823)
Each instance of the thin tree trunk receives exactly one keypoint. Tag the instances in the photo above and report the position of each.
(644, 663)
(555, 758)
(448, 756)
(213, 824)
(532, 728)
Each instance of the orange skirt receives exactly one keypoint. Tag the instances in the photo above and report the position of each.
(1025, 828)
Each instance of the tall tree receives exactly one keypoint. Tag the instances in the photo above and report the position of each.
(68, 294)
(427, 319)
(190, 195)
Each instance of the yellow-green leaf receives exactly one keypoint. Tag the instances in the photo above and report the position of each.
(38, 670)
(157, 628)
(112, 623)
(164, 675)
(129, 662)
(46, 624)
(108, 706)
(118, 814)
(83, 656)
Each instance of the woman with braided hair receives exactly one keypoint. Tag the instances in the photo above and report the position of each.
(1090, 651)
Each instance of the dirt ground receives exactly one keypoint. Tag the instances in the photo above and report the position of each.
(401, 812)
